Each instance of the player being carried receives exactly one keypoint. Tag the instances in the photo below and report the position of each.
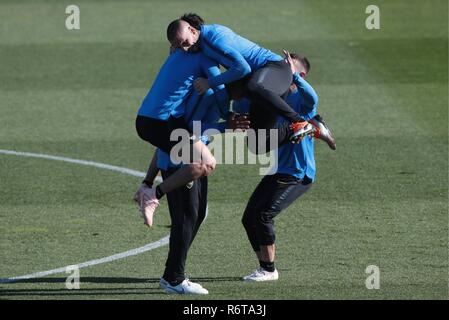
(263, 76)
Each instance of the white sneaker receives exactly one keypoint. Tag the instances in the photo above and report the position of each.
(262, 275)
(148, 204)
(185, 287)
(163, 283)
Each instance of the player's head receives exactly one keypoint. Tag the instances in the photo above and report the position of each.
(184, 32)
(302, 64)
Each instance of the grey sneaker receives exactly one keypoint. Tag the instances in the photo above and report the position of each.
(322, 131)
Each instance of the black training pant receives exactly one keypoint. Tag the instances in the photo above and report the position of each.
(268, 86)
(273, 194)
(187, 208)
(267, 89)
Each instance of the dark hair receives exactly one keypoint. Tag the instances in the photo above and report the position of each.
(191, 18)
(302, 59)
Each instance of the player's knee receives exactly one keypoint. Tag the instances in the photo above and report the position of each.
(209, 165)
(208, 168)
(248, 219)
(265, 219)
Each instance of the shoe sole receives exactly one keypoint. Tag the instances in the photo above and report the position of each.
(259, 280)
(171, 291)
(298, 136)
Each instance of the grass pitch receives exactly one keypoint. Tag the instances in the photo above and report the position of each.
(380, 199)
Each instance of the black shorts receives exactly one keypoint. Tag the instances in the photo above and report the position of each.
(157, 132)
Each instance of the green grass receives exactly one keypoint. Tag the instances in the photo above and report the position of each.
(381, 198)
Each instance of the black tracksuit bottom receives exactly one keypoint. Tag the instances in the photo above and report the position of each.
(187, 208)
(273, 194)
(267, 89)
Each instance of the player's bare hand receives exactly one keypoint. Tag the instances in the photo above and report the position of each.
(201, 85)
(238, 121)
(289, 60)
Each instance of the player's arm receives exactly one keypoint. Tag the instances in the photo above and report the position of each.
(237, 65)
(308, 94)
(152, 171)
(220, 94)
(227, 56)
(219, 98)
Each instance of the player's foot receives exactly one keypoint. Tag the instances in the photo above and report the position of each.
(186, 287)
(163, 283)
(262, 275)
(136, 197)
(300, 130)
(148, 204)
(322, 131)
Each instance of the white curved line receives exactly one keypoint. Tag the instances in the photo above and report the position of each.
(132, 252)
(95, 262)
(76, 161)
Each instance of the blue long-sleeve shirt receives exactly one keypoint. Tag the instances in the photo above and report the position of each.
(174, 84)
(293, 159)
(237, 54)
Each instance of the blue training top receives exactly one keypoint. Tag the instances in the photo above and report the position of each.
(237, 54)
(174, 84)
(293, 159)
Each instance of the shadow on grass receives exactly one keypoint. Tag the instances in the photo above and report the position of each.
(152, 288)
(88, 280)
(118, 280)
(80, 292)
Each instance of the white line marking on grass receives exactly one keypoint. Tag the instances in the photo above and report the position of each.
(76, 161)
(118, 256)
(122, 255)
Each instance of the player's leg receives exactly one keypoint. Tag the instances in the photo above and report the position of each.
(267, 86)
(158, 132)
(258, 200)
(201, 165)
(183, 205)
(284, 189)
(262, 123)
(182, 177)
(202, 204)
